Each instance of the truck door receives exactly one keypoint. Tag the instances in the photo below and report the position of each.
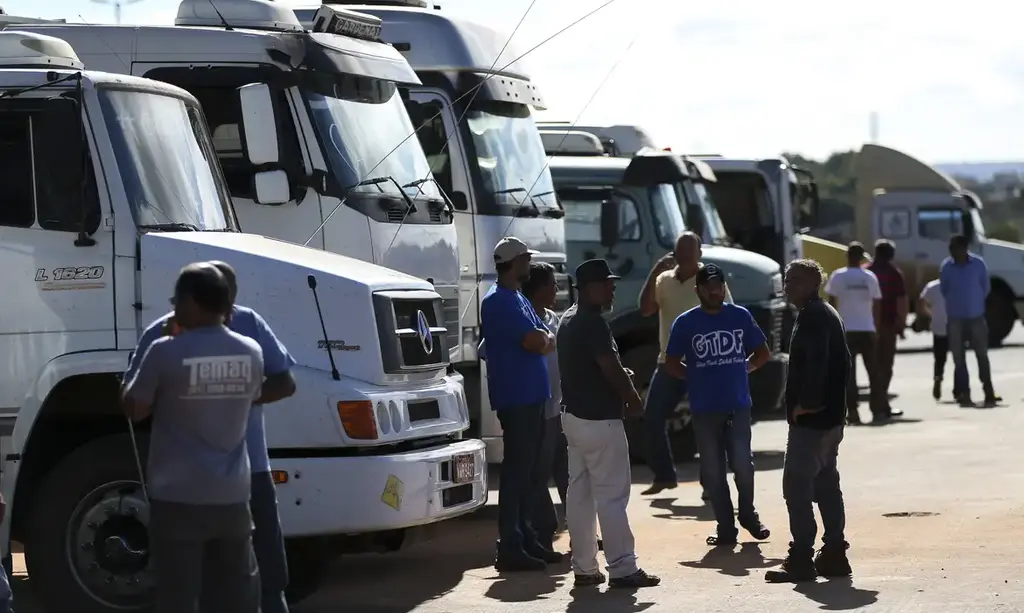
(631, 257)
(58, 250)
(431, 115)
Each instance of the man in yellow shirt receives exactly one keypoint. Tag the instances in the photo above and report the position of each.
(669, 291)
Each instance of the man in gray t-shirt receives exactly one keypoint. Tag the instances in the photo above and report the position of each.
(199, 387)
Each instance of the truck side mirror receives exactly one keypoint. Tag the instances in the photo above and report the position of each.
(609, 223)
(815, 205)
(271, 187)
(459, 200)
(259, 125)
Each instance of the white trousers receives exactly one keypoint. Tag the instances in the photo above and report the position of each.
(599, 482)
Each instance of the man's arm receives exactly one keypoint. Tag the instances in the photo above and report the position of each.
(277, 365)
(140, 392)
(875, 291)
(648, 301)
(676, 348)
(150, 334)
(502, 316)
(944, 285)
(901, 302)
(812, 337)
(600, 343)
(755, 344)
(986, 281)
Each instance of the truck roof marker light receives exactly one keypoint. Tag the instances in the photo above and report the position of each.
(358, 419)
(246, 14)
(31, 50)
(333, 20)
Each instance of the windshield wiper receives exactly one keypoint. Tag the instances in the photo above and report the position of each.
(13, 93)
(525, 210)
(378, 181)
(551, 213)
(170, 227)
(444, 197)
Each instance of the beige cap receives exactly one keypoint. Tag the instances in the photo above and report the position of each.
(509, 248)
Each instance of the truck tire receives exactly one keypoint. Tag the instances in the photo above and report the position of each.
(1000, 315)
(306, 570)
(643, 360)
(88, 548)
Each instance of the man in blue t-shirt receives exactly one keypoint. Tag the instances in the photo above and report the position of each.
(715, 347)
(268, 540)
(517, 342)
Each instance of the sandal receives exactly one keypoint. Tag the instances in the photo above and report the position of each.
(716, 540)
(759, 531)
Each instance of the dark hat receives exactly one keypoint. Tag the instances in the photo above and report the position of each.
(592, 271)
(709, 272)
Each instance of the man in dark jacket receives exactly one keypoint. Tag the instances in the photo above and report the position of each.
(819, 363)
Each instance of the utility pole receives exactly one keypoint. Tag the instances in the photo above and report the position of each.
(117, 4)
(873, 127)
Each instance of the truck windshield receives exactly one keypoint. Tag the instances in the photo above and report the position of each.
(668, 217)
(709, 213)
(509, 153)
(166, 160)
(365, 132)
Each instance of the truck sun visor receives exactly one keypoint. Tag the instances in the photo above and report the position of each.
(653, 169)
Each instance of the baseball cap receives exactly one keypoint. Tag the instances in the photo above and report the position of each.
(592, 271)
(855, 249)
(509, 248)
(709, 272)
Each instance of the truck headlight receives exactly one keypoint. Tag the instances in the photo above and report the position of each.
(383, 418)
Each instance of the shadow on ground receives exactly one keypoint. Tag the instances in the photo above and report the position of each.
(734, 562)
(589, 599)
(837, 595)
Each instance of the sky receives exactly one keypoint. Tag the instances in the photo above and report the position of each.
(754, 79)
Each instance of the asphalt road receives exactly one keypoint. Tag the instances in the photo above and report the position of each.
(935, 505)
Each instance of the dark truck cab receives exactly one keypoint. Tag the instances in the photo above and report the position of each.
(630, 211)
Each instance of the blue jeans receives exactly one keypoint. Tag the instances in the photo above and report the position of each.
(663, 396)
(521, 474)
(553, 463)
(975, 331)
(6, 595)
(811, 475)
(723, 442)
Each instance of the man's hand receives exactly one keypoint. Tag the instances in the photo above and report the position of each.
(551, 343)
(799, 410)
(634, 405)
(667, 262)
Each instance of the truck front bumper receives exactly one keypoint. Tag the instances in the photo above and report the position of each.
(768, 385)
(373, 493)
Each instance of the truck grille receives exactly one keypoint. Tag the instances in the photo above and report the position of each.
(407, 345)
(770, 321)
(397, 215)
(450, 307)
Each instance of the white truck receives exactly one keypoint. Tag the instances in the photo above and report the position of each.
(348, 178)
(918, 207)
(111, 185)
(474, 119)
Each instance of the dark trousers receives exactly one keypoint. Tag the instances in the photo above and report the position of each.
(940, 350)
(199, 548)
(864, 344)
(6, 595)
(663, 397)
(523, 436)
(886, 356)
(723, 442)
(975, 332)
(553, 462)
(811, 475)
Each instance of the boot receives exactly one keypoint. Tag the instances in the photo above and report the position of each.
(937, 388)
(832, 563)
(794, 569)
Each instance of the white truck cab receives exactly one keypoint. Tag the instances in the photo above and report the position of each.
(348, 178)
(110, 185)
(474, 119)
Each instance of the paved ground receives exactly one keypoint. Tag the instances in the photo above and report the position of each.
(954, 471)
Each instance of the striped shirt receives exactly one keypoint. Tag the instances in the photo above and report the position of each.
(890, 281)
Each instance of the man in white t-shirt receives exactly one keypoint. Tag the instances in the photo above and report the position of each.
(855, 292)
(931, 304)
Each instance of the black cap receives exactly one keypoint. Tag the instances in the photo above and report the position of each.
(592, 271)
(709, 272)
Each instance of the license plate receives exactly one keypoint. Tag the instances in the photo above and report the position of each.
(464, 468)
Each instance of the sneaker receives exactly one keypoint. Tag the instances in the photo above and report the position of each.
(722, 540)
(658, 487)
(832, 563)
(544, 554)
(638, 579)
(756, 529)
(992, 400)
(588, 580)
(793, 570)
(965, 401)
(937, 389)
(518, 563)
